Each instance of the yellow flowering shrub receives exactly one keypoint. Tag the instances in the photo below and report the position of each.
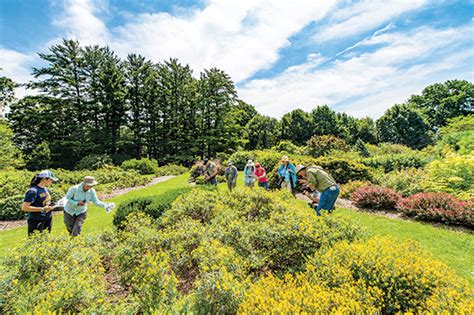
(56, 274)
(409, 279)
(300, 294)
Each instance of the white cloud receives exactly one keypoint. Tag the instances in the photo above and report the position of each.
(16, 66)
(364, 16)
(80, 21)
(372, 81)
(239, 37)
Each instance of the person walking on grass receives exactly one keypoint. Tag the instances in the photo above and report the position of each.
(249, 176)
(37, 202)
(210, 172)
(261, 176)
(287, 174)
(230, 175)
(77, 199)
(317, 179)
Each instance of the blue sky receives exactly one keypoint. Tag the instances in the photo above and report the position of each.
(360, 57)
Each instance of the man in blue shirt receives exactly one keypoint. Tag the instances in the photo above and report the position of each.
(78, 197)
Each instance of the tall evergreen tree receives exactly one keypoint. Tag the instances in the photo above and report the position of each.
(296, 126)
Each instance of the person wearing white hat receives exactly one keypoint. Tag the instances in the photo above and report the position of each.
(78, 197)
(249, 176)
(37, 202)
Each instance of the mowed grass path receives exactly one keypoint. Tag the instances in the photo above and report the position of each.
(455, 249)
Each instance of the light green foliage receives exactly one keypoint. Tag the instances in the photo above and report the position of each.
(56, 274)
(392, 162)
(348, 188)
(143, 166)
(10, 156)
(288, 147)
(406, 181)
(171, 169)
(453, 174)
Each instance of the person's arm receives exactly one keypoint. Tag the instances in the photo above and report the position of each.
(70, 197)
(236, 173)
(29, 199)
(95, 200)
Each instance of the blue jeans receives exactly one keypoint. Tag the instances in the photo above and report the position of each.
(264, 185)
(328, 199)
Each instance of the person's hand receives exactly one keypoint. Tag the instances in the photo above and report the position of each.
(48, 208)
(81, 203)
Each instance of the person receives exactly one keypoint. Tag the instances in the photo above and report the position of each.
(37, 202)
(287, 174)
(230, 175)
(261, 176)
(249, 177)
(210, 172)
(77, 199)
(317, 179)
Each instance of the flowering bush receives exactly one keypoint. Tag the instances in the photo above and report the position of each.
(56, 274)
(350, 187)
(438, 207)
(375, 276)
(375, 197)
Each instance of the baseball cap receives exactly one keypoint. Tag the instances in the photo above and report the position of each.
(47, 174)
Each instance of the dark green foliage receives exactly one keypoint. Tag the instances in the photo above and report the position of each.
(296, 127)
(10, 208)
(152, 206)
(262, 132)
(361, 148)
(94, 162)
(39, 158)
(323, 145)
(405, 125)
(442, 101)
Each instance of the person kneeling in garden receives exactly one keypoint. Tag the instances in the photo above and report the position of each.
(75, 210)
(317, 179)
(230, 175)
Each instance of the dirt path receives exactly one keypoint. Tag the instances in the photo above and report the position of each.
(8, 225)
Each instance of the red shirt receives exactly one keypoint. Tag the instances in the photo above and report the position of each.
(259, 172)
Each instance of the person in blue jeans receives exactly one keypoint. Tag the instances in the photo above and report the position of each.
(317, 179)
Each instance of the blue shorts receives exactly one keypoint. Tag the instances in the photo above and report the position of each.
(328, 199)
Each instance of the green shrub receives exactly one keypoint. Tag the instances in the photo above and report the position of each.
(453, 174)
(322, 145)
(171, 169)
(56, 274)
(388, 149)
(10, 208)
(407, 181)
(240, 158)
(344, 170)
(94, 162)
(393, 162)
(153, 206)
(287, 147)
(143, 166)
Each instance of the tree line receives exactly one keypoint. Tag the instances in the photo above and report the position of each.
(91, 102)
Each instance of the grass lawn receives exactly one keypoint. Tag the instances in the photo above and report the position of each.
(455, 249)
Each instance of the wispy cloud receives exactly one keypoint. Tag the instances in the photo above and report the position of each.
(353, 18)
(371, 82)
(17, 66)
